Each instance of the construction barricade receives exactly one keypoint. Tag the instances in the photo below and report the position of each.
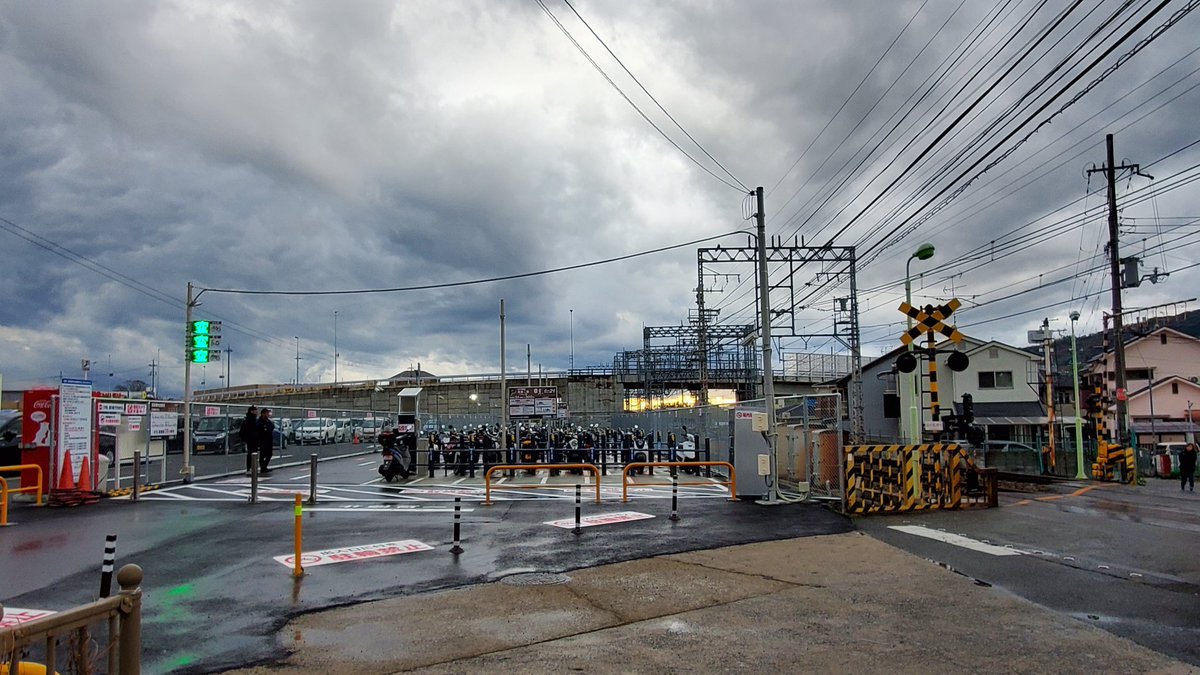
(900, 478)
(1111, 459)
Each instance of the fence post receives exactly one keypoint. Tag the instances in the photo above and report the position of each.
(129, 643)
(708, 457)
(312, 479)
(137, 475)
(457, 516)
(254, 478)
(578, 497)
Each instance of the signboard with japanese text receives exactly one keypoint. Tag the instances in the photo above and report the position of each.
(74, 427)
(532, 402)
(164, 423)
(108, 419)
(136, 408)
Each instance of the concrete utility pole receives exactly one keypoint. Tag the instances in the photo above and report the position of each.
(1114, 257)
(1047, 346)
(503, 389)
(1079, 474)
(186, 470)
(764, 329)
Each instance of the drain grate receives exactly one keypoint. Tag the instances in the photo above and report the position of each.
(535, 579)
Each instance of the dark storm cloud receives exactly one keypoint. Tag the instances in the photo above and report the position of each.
(338, 146)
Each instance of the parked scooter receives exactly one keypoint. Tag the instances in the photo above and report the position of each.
(395, 456)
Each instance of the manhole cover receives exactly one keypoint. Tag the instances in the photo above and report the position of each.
(535, 579)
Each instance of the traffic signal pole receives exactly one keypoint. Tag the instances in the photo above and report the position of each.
(186, 470)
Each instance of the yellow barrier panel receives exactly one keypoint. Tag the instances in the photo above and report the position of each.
(487, 477)
(884, 478)
(732, 482)
(5, 490)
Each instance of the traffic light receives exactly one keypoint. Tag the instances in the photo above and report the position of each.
(202, 339)
(968, 410)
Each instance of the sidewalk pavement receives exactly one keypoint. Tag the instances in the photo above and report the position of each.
(837, 603)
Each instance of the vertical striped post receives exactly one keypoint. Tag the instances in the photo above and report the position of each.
(578, 498)
(137, 475)
(106, 569)
(457, 519)
(254, 478)
(298, 569)
(934, 406)
(674, 496)
(312, 479)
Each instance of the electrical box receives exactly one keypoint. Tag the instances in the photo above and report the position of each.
(764, 465)
(745, 447)
(758, 422)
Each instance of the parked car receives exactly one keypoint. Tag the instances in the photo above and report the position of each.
(1012, 456)
(343, 430)
(317, 430)
(287, 427)
(218, 434)
(369, 429)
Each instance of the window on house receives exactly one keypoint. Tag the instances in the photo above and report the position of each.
(993, 352)
(998, 379)
(1162, 337)
(1139, 374)
(891, 406)
(1174, 387)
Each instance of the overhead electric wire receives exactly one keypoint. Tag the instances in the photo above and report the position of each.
(628, 100)
(472, 282)
(651, 96)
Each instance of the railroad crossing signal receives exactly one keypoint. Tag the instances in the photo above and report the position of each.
(202, 340)
(931, 319)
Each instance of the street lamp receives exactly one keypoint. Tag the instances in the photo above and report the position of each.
(1079, 474)
(923, 252)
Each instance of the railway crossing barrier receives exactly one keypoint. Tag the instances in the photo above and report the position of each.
(899, 478)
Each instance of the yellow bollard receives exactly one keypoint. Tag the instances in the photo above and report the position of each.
(298, 569)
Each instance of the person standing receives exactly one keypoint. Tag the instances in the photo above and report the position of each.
(1187, 468)
(266, 441)
(249, 433)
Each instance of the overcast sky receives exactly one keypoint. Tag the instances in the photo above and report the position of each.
(316, 146)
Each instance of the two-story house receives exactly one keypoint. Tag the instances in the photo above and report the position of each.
(1162, 374)
(1002, 379)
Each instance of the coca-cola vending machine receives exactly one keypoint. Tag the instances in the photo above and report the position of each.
(37, 411)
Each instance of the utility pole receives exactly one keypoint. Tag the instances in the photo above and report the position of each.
(503, 391)
(335, 349)
(186, 470)
(528, 365)
(228, 368)
(297, 359)
(1114, 257)
(1047, 345)
(764, 321)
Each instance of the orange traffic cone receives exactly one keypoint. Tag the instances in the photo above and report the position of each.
(66, 480)
(85, 477)
(355, 438)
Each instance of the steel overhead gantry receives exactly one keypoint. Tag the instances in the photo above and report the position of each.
(837, 262)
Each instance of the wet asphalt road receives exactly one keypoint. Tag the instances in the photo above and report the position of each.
(1124, 559)
(215, 598)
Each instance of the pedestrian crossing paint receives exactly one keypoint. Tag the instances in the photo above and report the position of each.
(956, 540)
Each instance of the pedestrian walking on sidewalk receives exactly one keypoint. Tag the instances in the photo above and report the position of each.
(1187, 468)
(249, 432)
(266, 441)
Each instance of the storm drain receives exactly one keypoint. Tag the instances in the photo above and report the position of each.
(535, 579)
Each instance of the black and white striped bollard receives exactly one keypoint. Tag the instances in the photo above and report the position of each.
(578, 497)
(457, 517)
(674, 496)
(106, 570)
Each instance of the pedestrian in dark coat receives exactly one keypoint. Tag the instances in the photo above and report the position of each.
(266, 441)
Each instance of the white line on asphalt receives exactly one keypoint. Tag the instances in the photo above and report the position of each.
(459, 480)
(303, 475)
(501, 481)
(956, 540)
(545, 479)
(372, 462)
(376, 480)
(416, 480)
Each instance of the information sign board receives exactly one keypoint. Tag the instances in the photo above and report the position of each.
(532, 402)
(74, 425)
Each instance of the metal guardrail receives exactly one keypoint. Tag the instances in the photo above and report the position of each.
(5, 490)
(122, 613)
(732, 482)
(487, 477)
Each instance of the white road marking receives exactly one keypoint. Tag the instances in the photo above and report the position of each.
(956, 540)
(303, 475)
(459, 480)
(376, 480)
(545, 479)
(501, 481)
(372, 462)
(416, 480)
